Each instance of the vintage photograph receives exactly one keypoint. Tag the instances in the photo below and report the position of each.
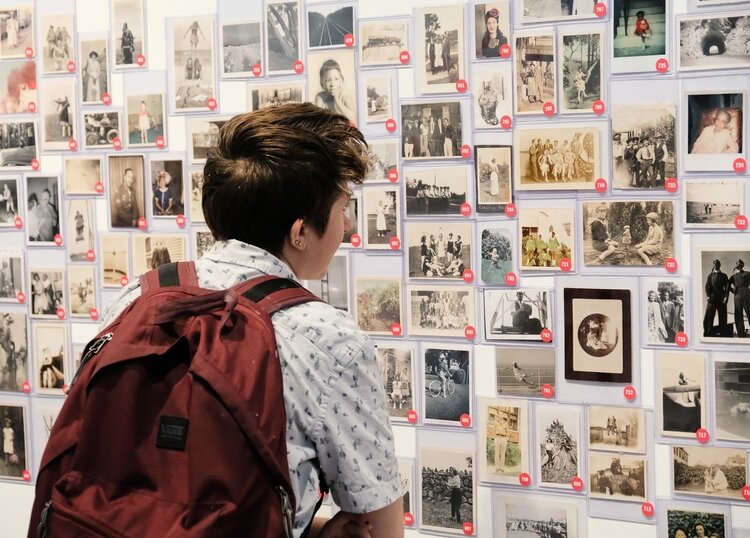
(640, 33)
(681, 378)
(115, 256)
(332, 79)
(617, 478)
(50, 353)
(558, 436)
(352, 213)
(383, 156)
(431, 130)
(397, 370)
(491, 29)
(382, 216)
(202, 134)
(240, 49)
(261, 96)
(518, 314)
(202, 240)
(555, 10)
(127, 198)
(440, 250)
(378, 96)
(535, 72)
(492, 88)
(14, 353)
(192, 63)
(17, 86)
(523, 516)
(663, 310)
(440, 48)
(80, 227)
(713, 203)
(496, 255)
(381, 42)
(546, 238)
(18, 145)
(152, 250)
(493, 178)
(166, 189)
(448, 384)
(43, 210)
(15, 458)
(94, 69)
(333, 288)
(440, 311)
(709, 471)
(18, 31)
(406, 474)
(282, 36)
(128, 32)
(731, 399)
(714, 43)
(196, 195)
(581, 64)
(47, 292)
(435, 190)
(617, 429)
(11, 275)
(9, 208)
(713, 132)
(689, 523)
(446, 487)
(557, 159)
(598, 335)
(628, 233)
(82, 289)
(58, 110)
(327, 25)
(503, 442)
(82, 174)
(722, 282)
(100, 129)
(524, 371)
(145, 116)
(377, 303)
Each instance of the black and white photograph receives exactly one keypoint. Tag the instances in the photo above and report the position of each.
(731, 398)
(94, 69)
(202, 134)
(115, 256)
(491, 29)
(18, 86)
(617, 429)
(18, 145)
(440, 311)
(712, 203)
(101, 129)
(192, 63)
(397, 370)
(202, 240)
(240, 49)
(681, 379)
(628, 233)
(709, 471)
(50, 357)
(503, 440)
(43, 210)
(558, 438)
(496, 255)
(519, 516)
(11, 275)
(582, 73)
(535, 72)
(494, 185)
(383, 156)
(714, 43)
(82, 290)
(127, 198)
(431, 130)
(381, 42)
(713, 132)
(616, 477)
(598, 335)
(492, 88)
(641, 33)
(435, 190)
(15, 458)
(377, 303)
(663, 309)
(47, 287)
(331, 81)
(406, 474)
(59, 46)
(261, 96)
(378, 96)
(518, 314)
(283, 36)
(722, 282)
(557, 159)
(196, 195)
(329, 24)
(14, 352)
(18, 31)
(382, 216)
(546, 238)
(333, 288)
(523, 371)
(146, 119)
(58, 110)
(440, 57)
(352, 214)
(683, 523)
(167, 198)
(555, 10)
(152, 250)
(128, 32)
(439, 249)
(82, 174)
(9, 209)
(446, 488)
(79, 229)
(448, 382)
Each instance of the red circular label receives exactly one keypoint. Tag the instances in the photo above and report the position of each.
(681, 339)
(99, 187)
(90, 255)
(670, 264)
(505, 51)
(465, 420)
(739, 165)
(600, 185)
(31, 107)
(548, 391)
(140, 60)
(73, 144)
(740, 222)
(408, 519)
(117, 143)
(511, 279)
(468, 276)
(21, 297)
(71, 66)
(29, 52)
(60, 312)
(465, 209)
(396, 329)
(390, 125)
(746, 492)
(211, 103)
(18, 222)
(546, 335)
(26, 475)
(598, 107)
(461, 86)
(510, 210)
(524, 479)
(65, 389)
(124, 281)
(106, 98)
(35, 163)
(299, 67)
(404, 57)
(470, 332)
(630, 393)
(160, 142)
(670, 185)
(702, 435)
(466, 151)
(349, 40)
(647, 509)
(142, 223)
(600, 9)
(58, 240)
(566, 265)
(393, 175)
(662, 65)
(411, 416)
(548, 108)
(181, 221)
(94, 314)
(576, 483)
(356, 240)
(468, 528)
(395, 243)
(26, 387)
(506, 122)
(257, 70)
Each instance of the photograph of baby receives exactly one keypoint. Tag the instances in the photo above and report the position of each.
(439, 250)
(382, 41)
(496, 255)
(192, 63)
(332, 77)
(546, 238)
(617, 429)
(681, 379)
(618, 478)
(17, 86)
(240, 49)
(261, 96)
(491, 29)
(713, 203)
(50, 352)
(558, 436)
(440, 48)
(503, 443)
(714, 43)
(493, 94)
(731, 404)
(328, 25)
(82, 175)
(48, 292)
(535, 72)
(709, 471)
(14, 353)
(11, 275)
(431, 130)
(58, 109)
(435, 191)
(282, 36)
(115, 255)
(377, 303)
(128, 35)
(382, 217)
(43, 210)
(79, 227)
(397, 370)
(15, 446)
(383, 155)
(581, 70)
(166, 189)
(94, 70)
(493, 178)
(664, 310)
(9, 209)
(444, 311)
(82, 289)
(100, 129)
(145, 116)
(524, 371)
(714, 130)
(639, 30)
(378, 97)
(519, 314)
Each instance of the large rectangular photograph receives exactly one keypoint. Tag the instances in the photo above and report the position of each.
(14, 352)
(524, 371)
(681, 379)
(518, 314)
(522, 516)
(439, 249)
(709, 471)
(713, 203)
(722, 283)
(448, 381)
(192, 63)
(440, 57)
(397, 370)
(440, 311)
(503, 440)
(431, 130)
(697, 523)
(731, 402)
(714, 42)
(446, 489)
(381, 42)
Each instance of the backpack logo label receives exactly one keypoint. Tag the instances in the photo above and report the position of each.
(172, 433)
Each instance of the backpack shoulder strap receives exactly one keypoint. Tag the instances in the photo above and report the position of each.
(167, 275)
(272, 293)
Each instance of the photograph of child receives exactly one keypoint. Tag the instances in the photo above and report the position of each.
(145, 119)
(581, 70)
(639, 31)
(333, 75)
(709, 471)
(15, 457)
(192, 66)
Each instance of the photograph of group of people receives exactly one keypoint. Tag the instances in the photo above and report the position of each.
(665, 310)
(431, 130)
(439, 250)
(445, 311)
(546, 238)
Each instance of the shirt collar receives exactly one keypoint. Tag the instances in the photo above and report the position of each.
(248, 256)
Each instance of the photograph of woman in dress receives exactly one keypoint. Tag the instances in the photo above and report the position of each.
(492, 38)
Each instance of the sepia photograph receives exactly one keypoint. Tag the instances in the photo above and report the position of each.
(47, 292)
(202, 134)
(18, 145)
(406, 475)
(50, 355)
(101, 129)
(518, 314)
(128, 32)
(283, 36)
(260, 96)
(435, 190)
(383, 157)
(617, 429)
(14, 352)
(731, 399)
(492, 88)
(202, 241)
(79, 229)
(722, 282)
(127, 198)
(522, 516)
(681, 378)
(82, 174)
(523, 371)
(713, 203)
(397, 370)
(714, 43)
(493, 178)
(640, 32)
(382, 217)
(145, 117)
(533, 11)
(709, 471)
(115, 256)
(663, 309)
(352, 213)
(43, 210)
(18, 86)
(546, 238)
(680, 522)
(332, 79)
(9, 208)
(329, 24)
(535, 72)
(440, 48)
(582, 75)
(438, 249)
(94, 69)
(558, 437)
(377, 303)
(11, 275)
(431, 130)
(496, 255)
(82, 290)
(240, 49)
(192, 63)
(18, 31)
(196, 195)
(491, 29)
(617, 477)
(15, 458)
(334, 287)
(58, 110)
(446, 488)
(166, 189)
(152, 250)
(378, 96)
(448, 384)
(440, 311)
(503, 442)
(381, 42)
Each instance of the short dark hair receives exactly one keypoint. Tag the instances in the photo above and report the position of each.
(276, 165)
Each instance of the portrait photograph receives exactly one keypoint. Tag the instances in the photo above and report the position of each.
(382, 216)
(714, 130)
(722, 283)
(240, 49)
(558, 437)
(127, 199)
(493, 178)
(94, 61)
(47, 292)
(518, 314)
(128, 32)
(332, 81)
(663, 308)
(629, 233)
(440, 48)
(328, 24)
(260, 96)
(709, 471)
(681, 379)
(581, 65)
(546, 238)
(18, 145)
(496, 255)
(617, 429)
(14, 352)
(491, 29)
(82, 290)
(196, 195)
(377, 303)
(192, 63)
(18, 86)
(101, 129)
(598, 335)
(18, 30)
(352, 213)
(397, 370)
(43, 210)
(383, 156)
(639, 34)
(523, 515)
(378, 96)
(713, 203)
(533, 11)
(714, 43)
(202, 240)
(438, 249)
(145, 117)
(523, 371)
(448, 381)
(557, 159)
(58, 110)
(9, 209)
(81, 175)
(59, 44)
(503, 440)
(440, 311)
(731, 398)
(282, 36)
(431, 130)
(115, 256)
(446, 488)
(696, 523)
(492, 94)
(15, 445)
(80, 227)
(202, 134)
(166, 189)
(333, 288)
(435, 190)
(50, 355)
(617, 477)
(381, 42)
(152, 250)
(11, 275)
(535, 72)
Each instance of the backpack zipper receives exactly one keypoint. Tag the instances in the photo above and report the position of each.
(41, 529)
(286, 512)
(92, 349)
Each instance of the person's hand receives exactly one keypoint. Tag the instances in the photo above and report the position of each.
(342, 525)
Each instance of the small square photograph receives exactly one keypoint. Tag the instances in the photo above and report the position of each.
(166, 189)
(724, 294)
(439, 250)
(94, 70)
(503, 440)
(196, 195)
(82, 175)
(18, 31)
(617, 477)
(9, 209)
(628, 233)
(546, 238)
(352, 214)
(115, 253)
(558, 436)
(732, 400)
(493, 178)
(598, 335)
(715, 124)
(440, 48)
(381, 42)
(681, 378)
(127, 198)
(710, 471)
(443, 311)
(333, 288)
(332, 77)
(639, 30)
(240, 49)
(47, 292)
(79, 227)
(713, 203)
(14, 352)
(581, 64)
(617, 429)
(518, 314)
(145, 117)
(397, 370)
(492, 94)
(382, 216)
(59, 45)
(82, 289)
(520, 516)
(57, 106)
(260, 96)
(691, 523)
(18, 78)
(43, 215)
(329, 24)
(435, 190)
(11, 275)
(533, 11)
(431, 130)
(203, 240)
(406, 474)
(15, 446)
(448, 384)
(496, 255)
(202, 134)
(491, 29)
(192, 63)
(50, 352)
(377, 303)
(524, 371)
(535, 70)
(383, 155)
(714, 43)
(128, 32)
(378, 96)
(446, 488)
(664, 309)
(152, 250)
(282, 36)
(100, 129)
(18, 144)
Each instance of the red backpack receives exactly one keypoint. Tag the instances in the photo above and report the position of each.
(175, 424)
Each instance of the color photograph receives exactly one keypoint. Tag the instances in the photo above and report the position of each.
(641, 32)
(496, 255)
(145, 116)
(18, 86)
(546, 238)
(491, 29)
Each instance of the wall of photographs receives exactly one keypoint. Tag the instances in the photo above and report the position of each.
(548, 252)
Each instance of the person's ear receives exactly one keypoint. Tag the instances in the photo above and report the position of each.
(297, 235)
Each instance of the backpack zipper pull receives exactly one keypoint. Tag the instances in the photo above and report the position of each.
(93, 348)
(41, 529)
(286, 512)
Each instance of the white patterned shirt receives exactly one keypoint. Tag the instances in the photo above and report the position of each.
(337, 417)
